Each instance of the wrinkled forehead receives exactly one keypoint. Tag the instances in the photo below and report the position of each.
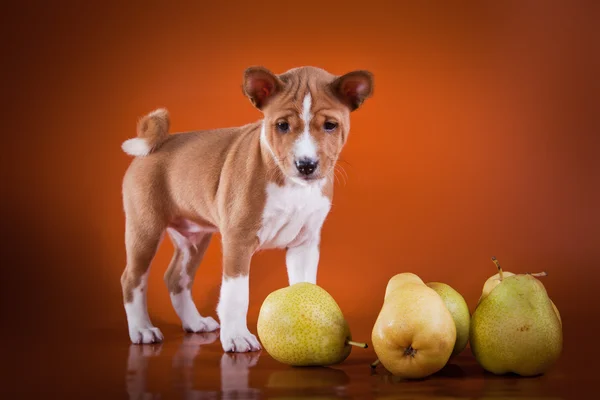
(306, 87)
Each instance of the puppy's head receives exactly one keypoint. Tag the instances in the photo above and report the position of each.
(306, 116)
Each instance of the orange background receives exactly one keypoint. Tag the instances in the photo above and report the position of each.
(481, 139)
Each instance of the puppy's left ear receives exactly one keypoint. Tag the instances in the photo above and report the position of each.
(353, 88)
(260, 85)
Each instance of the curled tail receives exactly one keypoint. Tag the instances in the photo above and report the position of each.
(152, 131)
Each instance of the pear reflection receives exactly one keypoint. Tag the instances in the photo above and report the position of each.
(306, 378)
(307, 381)
(514, 386)
(235, 375)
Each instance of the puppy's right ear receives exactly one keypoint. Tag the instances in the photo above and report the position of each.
(260, 85)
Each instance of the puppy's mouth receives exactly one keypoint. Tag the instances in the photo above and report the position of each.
(303, 179)
(306, 180)
(309, 178)
(295, 173)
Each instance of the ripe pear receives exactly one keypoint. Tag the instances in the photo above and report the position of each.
(414, 334)
(400, 279)
(495, 280)
(557, 313)
(302, 325)
(515, 328)
(491, 283)
(459, 310)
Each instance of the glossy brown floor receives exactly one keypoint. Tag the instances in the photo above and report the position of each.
(102, 364)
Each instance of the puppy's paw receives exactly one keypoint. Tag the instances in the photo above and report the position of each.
(200, 324)
(239, 341)
(139, 335)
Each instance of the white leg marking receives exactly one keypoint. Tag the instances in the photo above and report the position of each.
(302, 263)
(305, 145)
(141, 329)
(182, 302)
(232, 310)
(191, 319)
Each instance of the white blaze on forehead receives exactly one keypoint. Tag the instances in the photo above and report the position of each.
(306, 104)
(305, 146)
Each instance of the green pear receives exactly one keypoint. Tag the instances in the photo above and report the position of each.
(557, 313)
(492, 282)
(495, 280)
(515, 328)
(302, 325)
(459, 310)
(414, 334)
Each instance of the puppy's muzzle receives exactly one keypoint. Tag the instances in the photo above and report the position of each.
(306, 166)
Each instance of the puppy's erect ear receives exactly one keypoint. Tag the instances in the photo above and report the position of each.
(260, 85)
(353, 88)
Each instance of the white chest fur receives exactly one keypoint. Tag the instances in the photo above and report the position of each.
(293, 214)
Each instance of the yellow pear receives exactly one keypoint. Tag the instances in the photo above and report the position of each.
(459, 310)
(400, 279)
(414, 334)
(302, 325)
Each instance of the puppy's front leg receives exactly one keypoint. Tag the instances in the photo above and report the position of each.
(233, 303)
(302, 262)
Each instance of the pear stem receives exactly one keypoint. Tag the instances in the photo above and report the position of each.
(357, 344)
(375, 363)
(537, 274)
(495, 261)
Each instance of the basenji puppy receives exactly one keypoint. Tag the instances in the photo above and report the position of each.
(268, 184)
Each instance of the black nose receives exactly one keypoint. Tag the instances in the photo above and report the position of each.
(306, 166)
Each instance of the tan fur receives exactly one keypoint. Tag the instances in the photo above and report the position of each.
(178, 266)
(193, 165)
(216, 179)
(154, 128)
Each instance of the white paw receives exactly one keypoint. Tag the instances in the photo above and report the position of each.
(146, 335)
(239, 341)
(201, 324)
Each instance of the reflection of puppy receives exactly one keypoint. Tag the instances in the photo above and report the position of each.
(264, 185)
(235, 376)
(137, 370)
(183, 360)
(189, 348)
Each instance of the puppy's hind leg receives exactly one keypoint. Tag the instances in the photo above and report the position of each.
(141, 242)
(189, 251)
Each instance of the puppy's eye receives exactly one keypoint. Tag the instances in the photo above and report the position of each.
(283, 127)
(329, 126)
